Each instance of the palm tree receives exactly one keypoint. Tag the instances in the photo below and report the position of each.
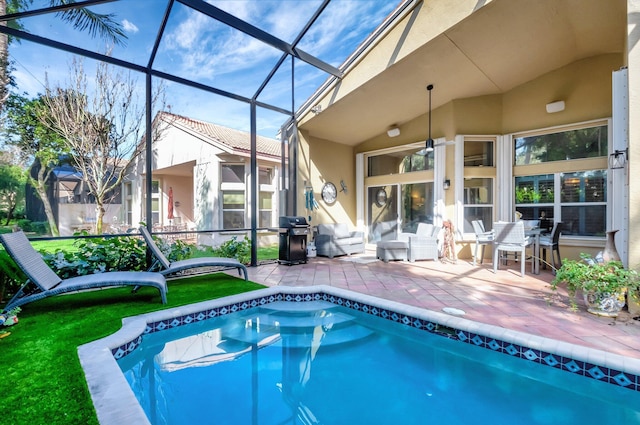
(83, 19)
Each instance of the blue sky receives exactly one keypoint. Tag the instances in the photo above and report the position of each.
(198, 48)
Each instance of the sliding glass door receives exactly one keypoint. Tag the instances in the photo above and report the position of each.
(397, 208)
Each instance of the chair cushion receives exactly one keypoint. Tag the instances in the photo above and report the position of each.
(392, 245)
(425, 230)
(341, 230)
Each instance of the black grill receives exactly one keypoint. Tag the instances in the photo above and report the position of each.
(293, 233)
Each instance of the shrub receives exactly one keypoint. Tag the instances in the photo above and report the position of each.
(11, 277)
(240, 250)
(25, 224)
(99, 255)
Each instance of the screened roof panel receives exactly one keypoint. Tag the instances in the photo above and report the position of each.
(342, 26)
(200, 45)
(283, 19)
(199, 48)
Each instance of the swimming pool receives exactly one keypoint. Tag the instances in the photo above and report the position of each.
(534, 356)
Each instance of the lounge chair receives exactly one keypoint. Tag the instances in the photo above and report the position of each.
(48, 283)
(172, 267)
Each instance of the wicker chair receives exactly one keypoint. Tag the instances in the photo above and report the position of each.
(552, 242)
(423, 245)
(509, 237)
(483, 238)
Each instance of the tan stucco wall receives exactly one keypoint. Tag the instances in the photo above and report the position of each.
(585, 86)
(427, 21)
(332, 162)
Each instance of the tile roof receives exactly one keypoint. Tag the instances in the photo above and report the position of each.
(237, 140)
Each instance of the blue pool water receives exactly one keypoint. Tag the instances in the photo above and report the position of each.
(318, 363)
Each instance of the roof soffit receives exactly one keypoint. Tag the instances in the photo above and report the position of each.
(499, 47)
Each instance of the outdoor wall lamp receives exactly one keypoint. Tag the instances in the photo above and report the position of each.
(618, 158)
(446, 184)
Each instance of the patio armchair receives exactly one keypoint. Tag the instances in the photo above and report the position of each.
(47, 283)
(423, 244)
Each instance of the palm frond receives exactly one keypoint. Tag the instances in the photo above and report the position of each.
(96, 24)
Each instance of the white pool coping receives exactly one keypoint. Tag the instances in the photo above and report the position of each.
(116, 404)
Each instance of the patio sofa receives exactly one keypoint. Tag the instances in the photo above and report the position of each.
(336, 239)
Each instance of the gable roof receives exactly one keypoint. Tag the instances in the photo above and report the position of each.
(237, 141)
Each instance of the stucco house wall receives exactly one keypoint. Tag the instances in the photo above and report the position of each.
(499, 108)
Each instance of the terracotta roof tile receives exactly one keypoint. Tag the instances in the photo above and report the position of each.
(238, 140)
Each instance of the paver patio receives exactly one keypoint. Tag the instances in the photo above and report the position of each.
(503, 299)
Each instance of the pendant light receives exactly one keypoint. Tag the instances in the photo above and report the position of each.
(429, 144)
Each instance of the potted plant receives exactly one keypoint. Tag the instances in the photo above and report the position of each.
(603, 285)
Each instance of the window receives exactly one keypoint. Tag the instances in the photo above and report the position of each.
(565, 145)
(128, 193)
(478, 202)
(155, 202)
(265, 176)
(265, 212)
(583, 205)
(535, 199)
(478, 153)
(399, 162)
(232, 173)
(233, 209)
(573, 192)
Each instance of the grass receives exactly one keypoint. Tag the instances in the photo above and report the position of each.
(43, 380)
(264, 252)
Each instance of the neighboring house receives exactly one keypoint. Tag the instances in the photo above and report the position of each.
(530, 114)
(73, 206)
(205, 168)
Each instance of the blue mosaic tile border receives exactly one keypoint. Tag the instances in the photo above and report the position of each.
(589, 370)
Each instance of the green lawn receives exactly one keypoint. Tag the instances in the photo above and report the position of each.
(264, 253)
(43, 380)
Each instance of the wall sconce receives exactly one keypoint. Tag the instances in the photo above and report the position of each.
(554, 107)
(394, 131)
(343, 185)
(446, 184)
(618, 158)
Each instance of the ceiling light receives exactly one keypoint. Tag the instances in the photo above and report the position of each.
(554, 107)
(393, 131)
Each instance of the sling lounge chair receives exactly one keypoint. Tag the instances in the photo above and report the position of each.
(172, 267)
(48, 283)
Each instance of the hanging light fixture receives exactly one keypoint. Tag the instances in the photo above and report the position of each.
(429, 144)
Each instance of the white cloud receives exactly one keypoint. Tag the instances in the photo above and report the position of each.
(129, 26)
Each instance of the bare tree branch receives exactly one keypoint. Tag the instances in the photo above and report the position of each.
(101, 123)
